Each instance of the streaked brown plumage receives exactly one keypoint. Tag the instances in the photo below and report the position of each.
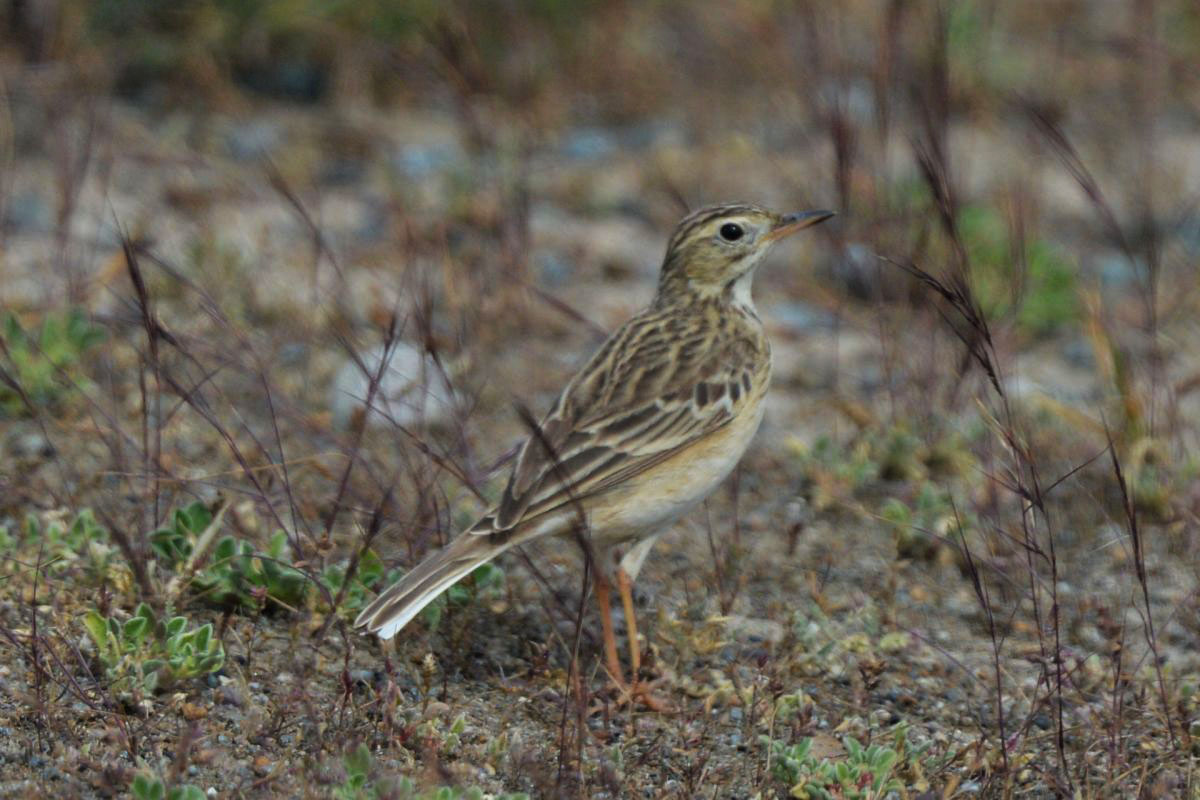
(646, 429)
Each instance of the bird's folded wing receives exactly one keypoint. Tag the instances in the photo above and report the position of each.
(622, 415)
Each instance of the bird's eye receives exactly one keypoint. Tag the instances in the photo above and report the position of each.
(731, 232)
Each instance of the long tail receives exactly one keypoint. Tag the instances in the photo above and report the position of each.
(398, 604)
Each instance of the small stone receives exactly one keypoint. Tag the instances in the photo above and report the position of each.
(192, 711)
(32, 444)
(749, 629)
(588, 144)
(412, 389)
(253, 141)
(799, 317)
(231, 695)
(29, 212)
(436, 709)
(416, 161)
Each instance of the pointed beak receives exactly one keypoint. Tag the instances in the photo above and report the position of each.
(790, 223)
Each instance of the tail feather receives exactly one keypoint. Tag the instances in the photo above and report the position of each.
(397, 605)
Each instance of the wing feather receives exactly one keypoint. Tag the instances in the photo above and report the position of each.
(654, 388)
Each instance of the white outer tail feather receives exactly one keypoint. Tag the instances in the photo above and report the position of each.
(448, 566)
(416, 606)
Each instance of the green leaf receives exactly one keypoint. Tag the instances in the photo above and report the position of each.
(194, 518)
(133, 632)
(357, 761)
(201, 637)
(97, 627)
(146, 788)
(188, 791)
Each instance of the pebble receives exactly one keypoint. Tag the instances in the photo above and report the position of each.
(1115, 270)
(553, 269)
(418, 161)
(365, 676)
(28, 212)
(589, 144)
(799, 317)
(231, 695)
(343, 171)
(32, 444)
(252, 141)
(412, 389)
(436, 709)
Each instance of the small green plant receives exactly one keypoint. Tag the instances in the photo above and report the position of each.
(149, 654)
(175, 543)
(445, 739)
(487, 580)
(359, 784)
(864, 774)
(148, 787)
(917, 528)
(369, 573)
(1048, 297)
(832, 472)
(235, 575)
(36, 360)
(84, 542)
(238, 576)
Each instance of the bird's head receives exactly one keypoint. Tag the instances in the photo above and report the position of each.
(714, 251)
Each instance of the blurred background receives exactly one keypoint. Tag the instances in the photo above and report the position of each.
(966, 535)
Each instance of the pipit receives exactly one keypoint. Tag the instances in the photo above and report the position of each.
(648, 428)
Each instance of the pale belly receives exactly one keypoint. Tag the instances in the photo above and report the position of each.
(658, 497)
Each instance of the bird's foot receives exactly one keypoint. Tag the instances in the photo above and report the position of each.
(638, 693)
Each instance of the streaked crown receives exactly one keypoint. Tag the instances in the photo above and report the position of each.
(714, 248)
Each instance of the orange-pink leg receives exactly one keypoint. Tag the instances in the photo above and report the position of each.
(633, 690)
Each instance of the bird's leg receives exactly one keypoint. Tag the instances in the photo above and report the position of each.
(637, 690)
(604, 600)
(625, 587)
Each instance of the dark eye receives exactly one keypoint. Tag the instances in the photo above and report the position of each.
(731, 232)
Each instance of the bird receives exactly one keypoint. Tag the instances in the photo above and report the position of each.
(650, 425)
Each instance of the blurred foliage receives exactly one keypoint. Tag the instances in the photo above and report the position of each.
(370, 572)
(84, 542)
(45, 364)
(149, 787)
(1028, 281)
(833, 471)
(929, 525)
(294, 49)
(360, 783)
